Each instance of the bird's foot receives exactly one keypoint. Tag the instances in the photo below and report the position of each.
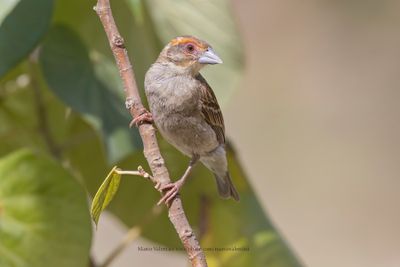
(172, 189)
(144, 117)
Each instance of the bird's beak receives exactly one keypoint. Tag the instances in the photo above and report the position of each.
(209, 57)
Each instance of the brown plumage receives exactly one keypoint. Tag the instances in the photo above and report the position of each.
(211, 110)
(186, 111)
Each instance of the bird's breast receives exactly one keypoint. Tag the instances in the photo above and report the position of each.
(176, 95)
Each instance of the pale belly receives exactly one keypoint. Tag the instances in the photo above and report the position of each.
(190, 135)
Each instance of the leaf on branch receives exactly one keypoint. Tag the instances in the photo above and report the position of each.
(105, 194)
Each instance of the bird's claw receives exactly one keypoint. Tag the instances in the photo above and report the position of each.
(158, 186)
(144, 117)
(172, 191)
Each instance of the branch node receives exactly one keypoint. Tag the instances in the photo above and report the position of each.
(129, 103)
(126, 68)
(118, 41)
(186, 234)
(101, 10)
(144, 173)
(158, 162)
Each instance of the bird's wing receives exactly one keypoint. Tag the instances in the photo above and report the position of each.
(211, 110)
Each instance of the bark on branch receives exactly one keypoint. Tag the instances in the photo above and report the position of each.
(152, 153)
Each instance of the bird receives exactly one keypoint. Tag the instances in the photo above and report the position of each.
(186, 112)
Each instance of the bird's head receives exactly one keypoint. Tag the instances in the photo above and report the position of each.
(189, 53)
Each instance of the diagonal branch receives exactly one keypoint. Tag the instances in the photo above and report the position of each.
(152, 153)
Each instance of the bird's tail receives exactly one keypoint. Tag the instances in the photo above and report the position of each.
(225, 186)
(217, 163)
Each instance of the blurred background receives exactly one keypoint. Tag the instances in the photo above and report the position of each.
(316, 123)
(310, 95)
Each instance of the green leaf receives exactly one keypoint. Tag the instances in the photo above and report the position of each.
(211, 21)
(20, 126)
(80, 145)
(44, 220)
(105, 194)
(70, 74)
(21, 31)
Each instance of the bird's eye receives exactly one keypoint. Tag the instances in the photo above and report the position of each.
(190, 48)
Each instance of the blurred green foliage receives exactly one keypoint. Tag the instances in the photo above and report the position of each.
(38, 198)
(17, 37)
(60, 95)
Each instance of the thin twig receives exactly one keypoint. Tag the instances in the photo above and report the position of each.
(152, 153)
(139, 172)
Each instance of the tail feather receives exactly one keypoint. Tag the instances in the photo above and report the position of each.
(226, 188)
(217, 163)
